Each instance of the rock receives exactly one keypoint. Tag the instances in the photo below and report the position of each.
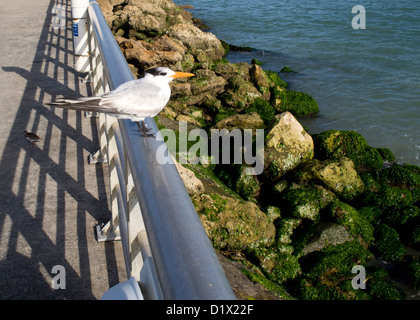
(388, 243)
(306, 201)
(278, 265)
(246, 121)
(338, 176)
(188, 119)
(191, 182)
(400, 176)
(145, 16)
(297, 103)
(335, 144)
(163, 4)
(239, 94)
(180, 89)
(326, 234)
(287, 145)
(263, 108)
(227, 70)
(196, 40)
(206, 82)
(243, 287)
(356, 224)
(237, 178)
(145, 55)
(284, 229)
(261, 81)
(386, 154)
(107, 8)
(388, 198)
(233, 224)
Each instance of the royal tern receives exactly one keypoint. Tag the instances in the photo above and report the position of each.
(134, 100)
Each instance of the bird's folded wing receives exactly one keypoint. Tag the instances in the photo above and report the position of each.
(145, 99)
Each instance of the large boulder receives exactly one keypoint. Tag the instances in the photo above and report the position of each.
(196, 40)
(287, 145)
(143, 55)
(335, 144)
(338, 176)
(233, 224)
(145, 16)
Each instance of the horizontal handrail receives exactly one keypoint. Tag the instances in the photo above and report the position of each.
(186, 263)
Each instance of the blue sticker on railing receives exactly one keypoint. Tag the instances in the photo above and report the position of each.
(75, 29)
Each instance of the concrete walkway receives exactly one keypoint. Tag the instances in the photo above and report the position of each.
(50, 198)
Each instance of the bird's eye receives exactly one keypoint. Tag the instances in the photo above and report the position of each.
(163, 74)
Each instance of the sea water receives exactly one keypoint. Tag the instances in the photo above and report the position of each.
(364, 79)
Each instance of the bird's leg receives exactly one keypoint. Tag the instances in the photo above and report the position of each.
(143, 130)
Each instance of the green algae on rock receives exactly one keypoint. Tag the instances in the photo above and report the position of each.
(233, 224)
(335, 144)
(388, 243)
(306, 201)
(338, 176)
(298, 103)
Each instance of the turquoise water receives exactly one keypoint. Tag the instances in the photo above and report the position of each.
(365, 80)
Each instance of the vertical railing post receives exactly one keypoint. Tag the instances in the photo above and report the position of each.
(79, 15)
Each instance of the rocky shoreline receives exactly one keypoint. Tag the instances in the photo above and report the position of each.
(323, 204)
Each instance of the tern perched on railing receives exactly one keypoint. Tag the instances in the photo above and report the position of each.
(134, 100)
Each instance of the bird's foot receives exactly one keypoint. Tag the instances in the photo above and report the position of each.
(144, 132)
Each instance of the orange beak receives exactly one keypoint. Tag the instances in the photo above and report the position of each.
(182, 75)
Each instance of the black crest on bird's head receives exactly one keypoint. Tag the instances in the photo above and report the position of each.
(157, 71)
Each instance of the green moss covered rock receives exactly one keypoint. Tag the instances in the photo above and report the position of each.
(414, 269)
(380, 287)
(297, 103)
(306, 201)
(388, 243)
(338, 176)
(276, 264)
(388, 198)
(386, 154)
(285, 228)
(335, 144)
(233, 224)
(357, 225)
(326, 274)
(236, 177)
(240, 93)
(263, 108)
(400, 176)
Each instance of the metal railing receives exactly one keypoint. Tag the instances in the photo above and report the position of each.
(166, 248)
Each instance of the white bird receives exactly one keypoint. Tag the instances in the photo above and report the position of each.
(134, 100)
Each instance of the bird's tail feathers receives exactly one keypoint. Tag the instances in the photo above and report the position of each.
(82, 104)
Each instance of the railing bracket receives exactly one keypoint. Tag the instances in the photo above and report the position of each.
(97, 157)
(90, 114)
(107, 233)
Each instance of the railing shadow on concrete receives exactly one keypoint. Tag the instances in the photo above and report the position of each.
(165, 246)
(49, 197)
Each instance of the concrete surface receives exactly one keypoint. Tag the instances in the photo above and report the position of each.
(50, 198)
